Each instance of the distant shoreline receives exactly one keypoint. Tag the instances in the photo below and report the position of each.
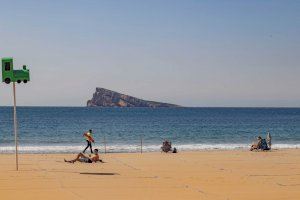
(154, 152)
(135, 148)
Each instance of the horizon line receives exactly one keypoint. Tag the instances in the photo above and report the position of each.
(160, 107)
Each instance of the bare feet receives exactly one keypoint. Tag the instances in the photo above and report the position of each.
(68, 161)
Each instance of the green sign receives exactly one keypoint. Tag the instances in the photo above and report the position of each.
(11, 75)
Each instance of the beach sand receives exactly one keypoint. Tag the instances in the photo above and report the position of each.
(215, 174)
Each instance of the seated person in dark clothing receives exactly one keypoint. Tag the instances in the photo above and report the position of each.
(174, 150)
(264, 145)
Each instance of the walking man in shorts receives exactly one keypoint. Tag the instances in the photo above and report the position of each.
(89, 139)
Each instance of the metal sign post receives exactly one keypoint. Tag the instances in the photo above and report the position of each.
(15, 126)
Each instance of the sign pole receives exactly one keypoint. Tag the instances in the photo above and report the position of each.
(10, 75)
(15, 126)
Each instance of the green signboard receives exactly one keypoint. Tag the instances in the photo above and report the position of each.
(11, 75)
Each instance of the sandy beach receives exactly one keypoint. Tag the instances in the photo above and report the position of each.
(237, 174)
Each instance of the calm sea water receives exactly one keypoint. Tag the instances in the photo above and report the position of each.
(60, 129)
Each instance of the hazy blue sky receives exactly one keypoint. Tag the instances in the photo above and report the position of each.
(192, 53)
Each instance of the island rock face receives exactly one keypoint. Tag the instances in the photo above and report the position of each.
(107, 98)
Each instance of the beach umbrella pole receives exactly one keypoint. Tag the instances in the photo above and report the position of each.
(104, 141)
(141, 144)
(15, 126)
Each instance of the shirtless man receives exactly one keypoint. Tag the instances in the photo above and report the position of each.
(256, 145)
(82, 158)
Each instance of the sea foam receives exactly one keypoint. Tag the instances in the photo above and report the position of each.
(132, 148)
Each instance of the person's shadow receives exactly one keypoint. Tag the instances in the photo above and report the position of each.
(99, 174)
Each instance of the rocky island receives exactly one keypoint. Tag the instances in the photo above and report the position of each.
(107, 98)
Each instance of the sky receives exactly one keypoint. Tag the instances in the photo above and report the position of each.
(187, 52)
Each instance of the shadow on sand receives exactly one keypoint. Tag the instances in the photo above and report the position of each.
(99, 174)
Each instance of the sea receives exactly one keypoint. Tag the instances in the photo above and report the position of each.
(60, 129)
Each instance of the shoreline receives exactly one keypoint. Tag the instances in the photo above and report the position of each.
(68, 149)
(149, 152)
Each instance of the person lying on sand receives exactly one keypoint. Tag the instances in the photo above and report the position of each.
(82, 158)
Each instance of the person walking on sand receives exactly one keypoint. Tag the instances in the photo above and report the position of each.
(89, 139)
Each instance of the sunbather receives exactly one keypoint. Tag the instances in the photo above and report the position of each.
(82, 158)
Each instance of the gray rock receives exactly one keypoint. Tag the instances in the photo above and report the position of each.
(107, 98)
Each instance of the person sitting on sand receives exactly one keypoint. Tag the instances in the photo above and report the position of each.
(264, 145)
(174, 150)
(255, 145)
(82, 158)
(167, 146)
(260, 144)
